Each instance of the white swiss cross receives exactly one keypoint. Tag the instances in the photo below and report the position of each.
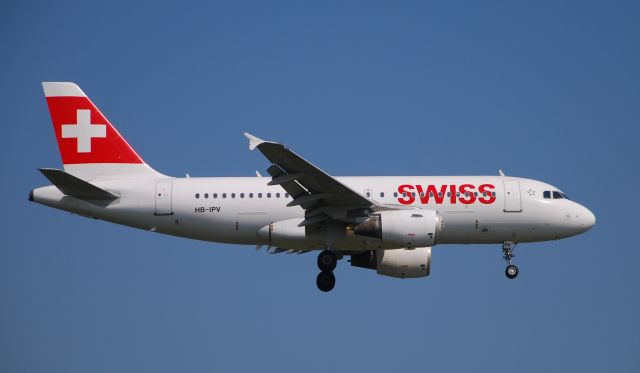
(83, 131)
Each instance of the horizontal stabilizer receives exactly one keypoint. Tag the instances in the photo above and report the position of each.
(74, 187)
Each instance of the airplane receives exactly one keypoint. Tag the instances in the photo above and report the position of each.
(384, 223)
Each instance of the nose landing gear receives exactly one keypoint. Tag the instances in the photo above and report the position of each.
(327, 261)
(507, 248)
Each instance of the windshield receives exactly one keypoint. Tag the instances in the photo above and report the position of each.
(548, 194)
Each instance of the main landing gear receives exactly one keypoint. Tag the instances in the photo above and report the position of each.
(327, 261)
(507, 248)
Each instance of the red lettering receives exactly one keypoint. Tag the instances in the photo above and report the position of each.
(452, 190)
(437, 195)
(467, 197)
(487, 194)
(424, 198)
(406, 197)
(465, 193)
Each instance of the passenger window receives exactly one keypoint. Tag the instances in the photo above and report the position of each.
(259, 195)
(268, 195)
(233, 195)
(546, 194)
(381, 194)
(277, 195)
(286, 195)
(197, 195)
(241, 195)
(206, 195)
(250, 195)
(224, 195)
(368, 194)
(395, 194)
(215, 195)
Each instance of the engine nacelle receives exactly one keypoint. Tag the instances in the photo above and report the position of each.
(287, 234)
(400, 263)
(403, 228)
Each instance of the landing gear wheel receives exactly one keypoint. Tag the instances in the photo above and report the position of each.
(507, 249)
(511, 271)
(327, 261)
(326, 281)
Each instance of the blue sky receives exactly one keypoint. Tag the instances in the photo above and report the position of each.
(546, 90)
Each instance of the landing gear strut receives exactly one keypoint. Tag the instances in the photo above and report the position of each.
(507, 248)
(327, 261)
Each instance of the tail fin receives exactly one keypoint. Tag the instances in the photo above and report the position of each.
(90, 146)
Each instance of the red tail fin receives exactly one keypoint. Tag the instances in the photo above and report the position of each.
(86, 137)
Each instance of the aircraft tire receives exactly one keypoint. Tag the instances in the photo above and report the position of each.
(326, 281)
(511, 271)
(327, 261)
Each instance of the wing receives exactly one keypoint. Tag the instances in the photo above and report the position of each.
(318, 193)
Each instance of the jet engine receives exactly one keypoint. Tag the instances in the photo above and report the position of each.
(400, 263)
(288, 234)
(403, 228)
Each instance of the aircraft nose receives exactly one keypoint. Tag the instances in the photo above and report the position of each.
(587, 219)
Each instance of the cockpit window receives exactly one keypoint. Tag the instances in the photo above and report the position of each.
(556, 195)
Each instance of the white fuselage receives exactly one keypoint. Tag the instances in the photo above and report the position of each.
(388, 223)
(236, 209)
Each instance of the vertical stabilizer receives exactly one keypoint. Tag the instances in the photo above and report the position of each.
(90, 146)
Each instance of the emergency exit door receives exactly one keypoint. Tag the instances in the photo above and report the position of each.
(163, 198)
(512, 200)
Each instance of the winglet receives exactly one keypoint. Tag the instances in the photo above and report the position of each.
(253, 141)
